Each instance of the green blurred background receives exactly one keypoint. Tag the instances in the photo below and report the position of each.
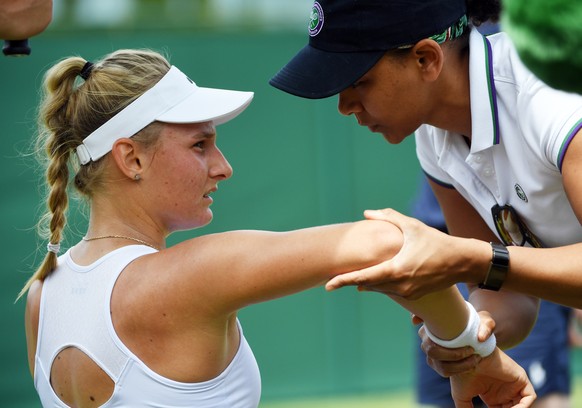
(296, 163)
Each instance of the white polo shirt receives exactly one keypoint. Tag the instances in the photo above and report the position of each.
(521, 129)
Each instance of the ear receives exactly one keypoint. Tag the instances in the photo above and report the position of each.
(429, 58)
(127, 155)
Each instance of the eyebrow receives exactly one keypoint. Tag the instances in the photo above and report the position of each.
(204, 134)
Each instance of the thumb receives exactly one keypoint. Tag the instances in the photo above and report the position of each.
(463, 403)
(387, 214)
(383, 215)
(486, 326)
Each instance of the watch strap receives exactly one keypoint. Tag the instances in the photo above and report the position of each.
(497, 269)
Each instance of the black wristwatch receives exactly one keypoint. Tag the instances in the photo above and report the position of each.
(498, 268)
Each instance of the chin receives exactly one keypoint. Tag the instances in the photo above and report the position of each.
(194, 222)
(392, 139)
(209, 217)
(395, 137)
(205, 220)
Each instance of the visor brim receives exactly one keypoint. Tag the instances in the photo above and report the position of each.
(208, 104)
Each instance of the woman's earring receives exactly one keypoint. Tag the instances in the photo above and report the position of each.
(137, 177)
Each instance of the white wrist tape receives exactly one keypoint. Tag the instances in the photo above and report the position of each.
(468, 337)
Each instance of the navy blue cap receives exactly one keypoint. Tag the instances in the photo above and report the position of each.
(348, 37)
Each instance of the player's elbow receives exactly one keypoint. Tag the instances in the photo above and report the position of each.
(386, 240)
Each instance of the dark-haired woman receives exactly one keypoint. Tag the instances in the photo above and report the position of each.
(502, 151)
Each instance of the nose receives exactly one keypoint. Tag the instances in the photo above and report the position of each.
(220, 168)
(348, 103)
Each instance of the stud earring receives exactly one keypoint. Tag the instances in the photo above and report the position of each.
(137, 177)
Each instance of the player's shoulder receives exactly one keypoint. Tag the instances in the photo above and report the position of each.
(34, 294)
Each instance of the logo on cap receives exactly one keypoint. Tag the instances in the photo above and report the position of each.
(316, 19)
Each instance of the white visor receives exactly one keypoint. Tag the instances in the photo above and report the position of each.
(174, 99)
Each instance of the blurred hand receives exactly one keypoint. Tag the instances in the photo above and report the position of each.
(21, 19)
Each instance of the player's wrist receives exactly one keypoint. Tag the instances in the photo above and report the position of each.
(468, 337)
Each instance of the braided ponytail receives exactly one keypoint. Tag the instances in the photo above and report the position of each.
(71, 110)
(56, 141)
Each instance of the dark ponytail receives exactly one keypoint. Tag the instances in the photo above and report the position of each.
(481, 11)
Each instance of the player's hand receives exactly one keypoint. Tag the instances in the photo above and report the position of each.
(498, 380)
(426, 262)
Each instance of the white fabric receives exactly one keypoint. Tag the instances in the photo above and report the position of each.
(468, 337)
(174, 99)
(75, 311)
(521, 129)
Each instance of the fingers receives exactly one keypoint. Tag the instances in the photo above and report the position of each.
(486, 326)
(362, 277)
(347, 279)
(498, 380)
(448, 362)
(527, 401)
(463, 403)
(400, 220)
(416, 320)
(450, 368)
(439, 353)
(529, 396)
(379, 214)
(386, 214)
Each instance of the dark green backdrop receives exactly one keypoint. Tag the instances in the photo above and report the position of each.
(297, 163)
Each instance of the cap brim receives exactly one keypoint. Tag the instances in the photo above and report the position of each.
(317, 74)
(208, 104)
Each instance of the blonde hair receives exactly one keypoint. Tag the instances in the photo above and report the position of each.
(69, 112)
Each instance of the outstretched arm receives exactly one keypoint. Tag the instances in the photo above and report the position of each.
(228, 271)
(215, 275)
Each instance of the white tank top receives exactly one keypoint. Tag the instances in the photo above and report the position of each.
(75, 311)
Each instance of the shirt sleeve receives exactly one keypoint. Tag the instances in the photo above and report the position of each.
(554, 119)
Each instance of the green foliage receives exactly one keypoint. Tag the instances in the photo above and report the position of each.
(548, 37)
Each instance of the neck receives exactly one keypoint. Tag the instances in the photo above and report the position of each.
(120, 237)
(123, 219)
(452, 110)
